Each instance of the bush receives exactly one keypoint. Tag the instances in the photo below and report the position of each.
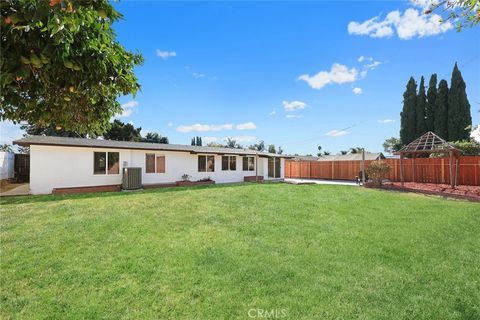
(377, 171)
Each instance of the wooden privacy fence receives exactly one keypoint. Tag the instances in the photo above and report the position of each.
(429, 170)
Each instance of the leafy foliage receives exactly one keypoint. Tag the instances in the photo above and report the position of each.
(258, 146)
(196, 141)
(431, 103)
(408, 114)
(377, 171)
(441, 110)
(464, 13)
(51, 130)
(420, 108)
(392, 145)
(459, 117)
(61, 64)
(468, 147)
(122, 132)
(6, 148)
(154, 137)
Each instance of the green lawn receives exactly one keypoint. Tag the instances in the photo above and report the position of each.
(311, 251)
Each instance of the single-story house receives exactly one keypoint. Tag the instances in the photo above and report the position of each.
(60, 162)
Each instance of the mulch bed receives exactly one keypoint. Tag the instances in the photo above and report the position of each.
(461, 192)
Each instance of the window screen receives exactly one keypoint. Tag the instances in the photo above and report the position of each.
(150, 163)
(160, 164)
(99, 162)
(113, 163)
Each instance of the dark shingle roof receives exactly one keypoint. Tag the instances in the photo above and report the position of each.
(97, 143)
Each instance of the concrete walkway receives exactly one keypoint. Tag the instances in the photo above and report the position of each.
(319, 181)
(21, 190)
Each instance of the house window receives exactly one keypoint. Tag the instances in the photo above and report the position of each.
(229, 163)
(248, 163)
(206, 163)
(154, 163)
(106, 163)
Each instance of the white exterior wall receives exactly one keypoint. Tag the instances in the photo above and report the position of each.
(6, 165)
(63, 167)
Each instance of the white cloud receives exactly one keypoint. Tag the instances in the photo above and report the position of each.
(198, 75)
(424, 4)
(361, 58)
(407, 26)
(170, 124)
(207, 140)
(357, 90)
(293, 105)
(128, 109)
(338, 74)
(165, 54)
(246, 126)
(273, 112)
(9, 132)
(386, 121)
(336, 133)
(293, 116)
(205, 127)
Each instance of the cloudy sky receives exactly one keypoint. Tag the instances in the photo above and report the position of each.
(297, 75)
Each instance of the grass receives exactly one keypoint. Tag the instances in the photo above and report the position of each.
(312, 252)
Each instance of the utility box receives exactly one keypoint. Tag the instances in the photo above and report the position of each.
(132, 178)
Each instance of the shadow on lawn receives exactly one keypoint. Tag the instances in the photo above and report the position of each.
(51, 198)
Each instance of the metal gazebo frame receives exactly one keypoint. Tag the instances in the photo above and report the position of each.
(426, 144)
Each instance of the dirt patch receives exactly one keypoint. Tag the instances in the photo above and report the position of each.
(461, 192)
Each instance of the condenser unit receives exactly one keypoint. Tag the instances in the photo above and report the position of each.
(132, 178)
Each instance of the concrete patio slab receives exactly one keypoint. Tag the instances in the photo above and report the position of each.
(21, 190)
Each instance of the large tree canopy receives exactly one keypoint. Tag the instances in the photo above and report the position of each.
(61, 64)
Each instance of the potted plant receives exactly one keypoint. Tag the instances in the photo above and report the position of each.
(185, 181)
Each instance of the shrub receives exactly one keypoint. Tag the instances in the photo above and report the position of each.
(377, 171)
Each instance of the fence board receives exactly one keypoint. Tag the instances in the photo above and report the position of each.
(428, 170)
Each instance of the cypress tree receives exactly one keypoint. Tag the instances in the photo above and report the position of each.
(420, 108)
(459, 117)
(431, 98)
(408, 115)
(193, 142)
(441, 111)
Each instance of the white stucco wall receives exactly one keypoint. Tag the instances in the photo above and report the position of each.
(62, 167)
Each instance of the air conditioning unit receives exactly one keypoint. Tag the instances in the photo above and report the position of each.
(132, 178)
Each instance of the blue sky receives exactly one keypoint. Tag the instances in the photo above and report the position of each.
(287, 73)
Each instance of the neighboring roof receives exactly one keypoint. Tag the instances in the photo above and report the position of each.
(96, 143)
(352, 157)
(305, 158)
(428, 143)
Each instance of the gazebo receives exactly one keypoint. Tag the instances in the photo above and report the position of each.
(426, 144)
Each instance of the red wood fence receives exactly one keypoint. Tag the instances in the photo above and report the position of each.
(432, 170)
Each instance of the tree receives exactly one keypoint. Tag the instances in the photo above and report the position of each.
(343, 152)
(61, 64)
(459, 117)
(257, 146)
(431, 103)
(441, 111)
(196, 141)
(122, 132)
(51, 130)
(271, 148)
(392, 145)
(231, 143)
(464, 13)
(319, 154)
(279, 150)
(355, 150)
(24, 150)
(6, 148)
(420, 108)
(408, 114)
(326, 153)
(154, 137)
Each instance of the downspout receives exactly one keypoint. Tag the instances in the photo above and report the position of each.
(256, 167)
